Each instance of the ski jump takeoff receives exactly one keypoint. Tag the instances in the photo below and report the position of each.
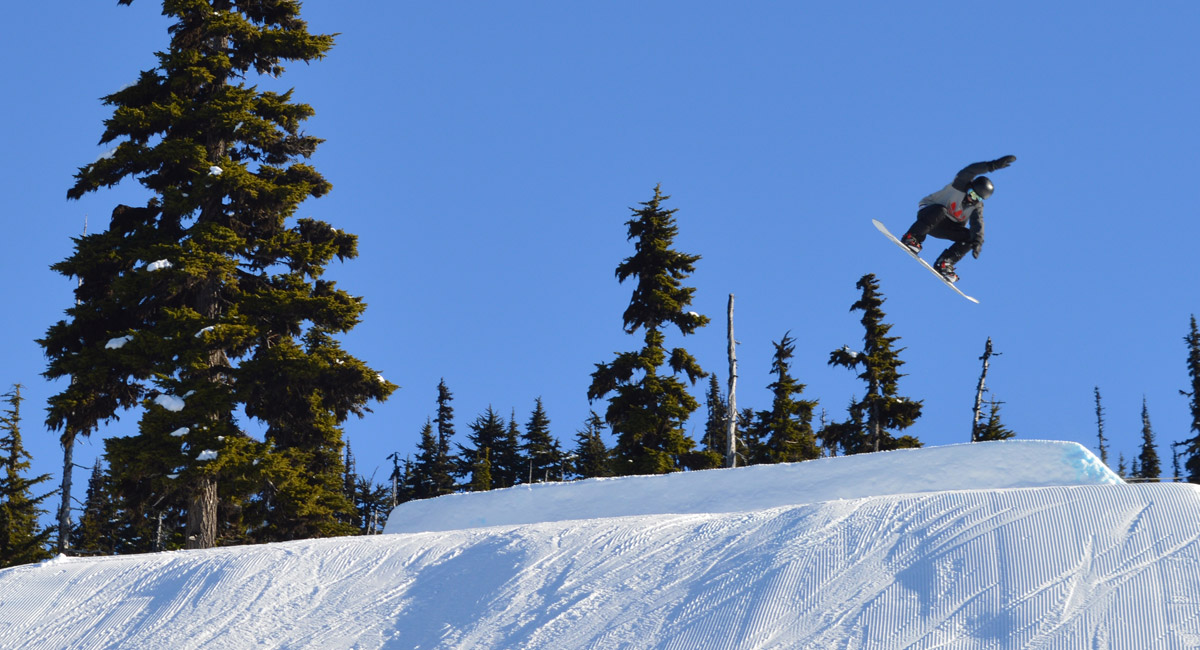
(955, 212)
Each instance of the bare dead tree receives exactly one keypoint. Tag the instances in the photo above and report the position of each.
(979, 390)
(731, 439)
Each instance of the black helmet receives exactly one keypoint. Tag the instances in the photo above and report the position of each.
(983, 187)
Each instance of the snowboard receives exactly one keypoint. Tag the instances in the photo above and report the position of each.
(925, 264)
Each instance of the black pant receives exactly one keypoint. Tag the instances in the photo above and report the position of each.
(935, 220)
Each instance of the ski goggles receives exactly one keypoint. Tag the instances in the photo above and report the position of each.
(973, 196)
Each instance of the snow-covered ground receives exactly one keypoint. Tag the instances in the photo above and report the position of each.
(953, 467)
(994, 545)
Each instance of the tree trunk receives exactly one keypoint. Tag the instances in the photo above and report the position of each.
(874, 421)
(202, 513)
(68, 443)
(202, 502)
(64, 510)
(876, 428)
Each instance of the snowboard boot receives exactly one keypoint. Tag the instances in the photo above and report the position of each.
(946, 268)
(911, 242)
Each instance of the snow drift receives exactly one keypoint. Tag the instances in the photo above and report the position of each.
(1084, 563)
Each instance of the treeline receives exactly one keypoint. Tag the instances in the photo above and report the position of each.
(497, 451)
(208, 305)
(649, 408)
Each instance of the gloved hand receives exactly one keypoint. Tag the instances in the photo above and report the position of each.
(1001, 163)
(976, 248)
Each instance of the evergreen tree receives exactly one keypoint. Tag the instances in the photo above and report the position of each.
(22, 541)
(1102, 441)
(992, 429)
(1176, 469)
(1192, 445)
(350, 484)
(428, 471)
(488, 433)
(96, 532)
(788, 425)
(442, 469)
(543, 454)
(508, 465)
(151, 501)
(880, 409)
(481, 471)
(370, 505)
(205, 300)
(1148, 463)
(1121, 469)
(844, 435)
(648, 409)
(592, 457)
(716, 427)
(434, 470)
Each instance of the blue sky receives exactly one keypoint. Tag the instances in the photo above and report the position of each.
(487, 155)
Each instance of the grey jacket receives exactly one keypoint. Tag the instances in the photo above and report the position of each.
(952, 198)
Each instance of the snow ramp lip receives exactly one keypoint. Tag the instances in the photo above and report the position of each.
(969, 466)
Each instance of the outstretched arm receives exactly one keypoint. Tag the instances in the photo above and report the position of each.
(968, 173)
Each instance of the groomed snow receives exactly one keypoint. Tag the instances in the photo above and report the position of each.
(1078, 561)
(988, 465)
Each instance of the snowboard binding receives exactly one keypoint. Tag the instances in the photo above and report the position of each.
(946, 268)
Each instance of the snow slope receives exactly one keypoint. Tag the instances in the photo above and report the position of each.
(954, 467)
(1083, 563)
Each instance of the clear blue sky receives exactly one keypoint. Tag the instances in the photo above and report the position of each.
(487, 155)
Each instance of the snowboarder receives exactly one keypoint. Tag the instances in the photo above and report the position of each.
(955, 212)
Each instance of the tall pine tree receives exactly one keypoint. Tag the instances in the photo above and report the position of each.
(1192, 445)
(788, 425)
(880, 410)
(349, 483)
(427, 469)
(491, 440)
(508, 465)
(434, 469)
(442, 473)
(649, 407)
(716, 427)
(22, 540)
(543, 455)
(209, 299)
(1149, 467)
